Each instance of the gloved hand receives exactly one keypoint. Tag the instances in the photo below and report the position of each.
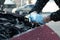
(36, 18)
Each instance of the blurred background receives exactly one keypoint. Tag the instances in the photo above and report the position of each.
(51, 5)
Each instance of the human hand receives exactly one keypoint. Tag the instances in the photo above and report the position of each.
(36, 18)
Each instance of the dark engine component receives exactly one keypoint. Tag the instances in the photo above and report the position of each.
(8, 31)
(8, 24)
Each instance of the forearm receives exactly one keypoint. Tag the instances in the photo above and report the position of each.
(55, 16)
(39, 6)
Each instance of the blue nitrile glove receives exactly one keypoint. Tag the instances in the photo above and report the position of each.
(38, 18)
